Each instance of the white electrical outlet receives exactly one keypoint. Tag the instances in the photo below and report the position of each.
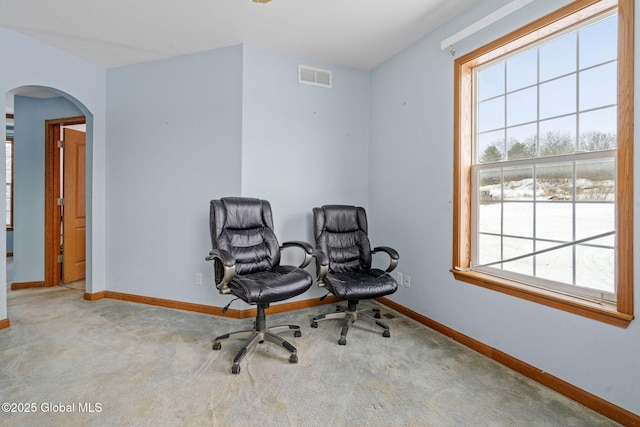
(198, 278)
(399, 278)
(407, 280)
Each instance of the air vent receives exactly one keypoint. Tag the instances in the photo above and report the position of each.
(314, 76)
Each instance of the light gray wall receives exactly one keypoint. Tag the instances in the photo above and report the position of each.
(28, 187)
(302, 146)
(228, 122)
(33, 63)
(174, 129)
(410, 199)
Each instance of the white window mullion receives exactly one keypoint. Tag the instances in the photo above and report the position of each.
(574, 232)
(502, 216)
(551, 183)
(535, 215)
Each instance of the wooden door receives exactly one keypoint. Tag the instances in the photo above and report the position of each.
(74, 210)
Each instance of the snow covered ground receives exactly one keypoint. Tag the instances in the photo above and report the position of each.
(547, 222)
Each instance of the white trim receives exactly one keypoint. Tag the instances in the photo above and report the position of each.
(447, 44)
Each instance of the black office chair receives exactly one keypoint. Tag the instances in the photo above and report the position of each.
(246, 259)
(344, 265)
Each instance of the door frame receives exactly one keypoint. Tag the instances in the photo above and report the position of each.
(52, 276)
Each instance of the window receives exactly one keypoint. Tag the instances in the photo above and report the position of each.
(9, 172)
(543, 162)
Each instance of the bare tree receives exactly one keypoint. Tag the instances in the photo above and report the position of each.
(555, 143)
(596, 141)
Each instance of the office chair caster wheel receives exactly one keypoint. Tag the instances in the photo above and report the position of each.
(297, 334)
(235, 369)
(293, 358)
(376, 313)
(342, 341)
(217, 346)
(314, 324)
(386, 334)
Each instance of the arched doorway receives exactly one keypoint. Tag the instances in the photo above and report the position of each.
(37, 239)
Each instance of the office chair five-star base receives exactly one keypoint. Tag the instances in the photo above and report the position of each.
(259, 334)
(351, 314)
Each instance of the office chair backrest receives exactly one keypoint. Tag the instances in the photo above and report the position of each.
(341, 233)
(244, 228)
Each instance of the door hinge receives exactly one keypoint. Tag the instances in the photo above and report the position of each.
(60, 258)
(60, 201)
(60, 144)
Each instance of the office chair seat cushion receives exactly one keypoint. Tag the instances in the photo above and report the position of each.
(278, 284)
(360, 284)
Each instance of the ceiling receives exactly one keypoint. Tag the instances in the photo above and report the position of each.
(354, 33)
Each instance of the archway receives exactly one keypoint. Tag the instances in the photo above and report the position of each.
(32, 260)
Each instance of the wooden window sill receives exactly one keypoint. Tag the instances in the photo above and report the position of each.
(600, 311)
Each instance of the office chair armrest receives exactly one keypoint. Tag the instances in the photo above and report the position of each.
(322, 266)
(308, 250)
(393, 256)
(224, 268)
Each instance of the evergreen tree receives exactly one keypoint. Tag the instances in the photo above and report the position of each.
(521, 150)
(491, 154)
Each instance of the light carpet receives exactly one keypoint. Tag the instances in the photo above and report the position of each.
(149, 366)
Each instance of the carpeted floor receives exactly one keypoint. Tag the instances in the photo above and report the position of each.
(140, 365)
